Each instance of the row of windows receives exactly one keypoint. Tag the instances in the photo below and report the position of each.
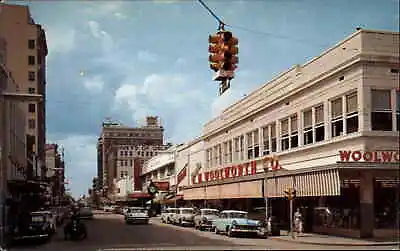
(123, 174)
(344, 119)
(138, 153)
(125, 134)
(125, 162)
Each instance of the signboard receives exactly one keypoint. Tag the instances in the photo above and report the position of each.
(233, 171)
(161, 185)
(181, 175)
(369, 156)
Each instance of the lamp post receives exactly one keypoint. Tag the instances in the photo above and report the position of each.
(4, 98)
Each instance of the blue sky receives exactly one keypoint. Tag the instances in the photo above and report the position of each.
(151, 58)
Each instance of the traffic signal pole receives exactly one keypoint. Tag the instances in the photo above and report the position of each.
(291, 218)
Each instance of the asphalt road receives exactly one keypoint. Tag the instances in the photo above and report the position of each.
(108, 232)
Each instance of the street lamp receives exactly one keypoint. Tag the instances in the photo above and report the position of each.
(4, 98)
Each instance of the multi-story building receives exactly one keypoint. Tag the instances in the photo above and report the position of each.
(55, 172)
(26, 52)
(328, 128)
(13, 160)
(117, 139)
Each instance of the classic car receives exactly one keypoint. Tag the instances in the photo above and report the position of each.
(85, 213)
(137, 215)
(37, 226)
(184, 216)
(204, 218)
(234, 222)
(168, 214)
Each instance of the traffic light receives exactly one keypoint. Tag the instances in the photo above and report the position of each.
(290, 193)
(214, 48)
(230, 51)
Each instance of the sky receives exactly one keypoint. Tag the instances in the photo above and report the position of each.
(126, 60)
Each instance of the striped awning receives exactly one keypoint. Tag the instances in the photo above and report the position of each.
(317, 183)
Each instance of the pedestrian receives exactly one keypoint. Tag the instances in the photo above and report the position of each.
(298, 221)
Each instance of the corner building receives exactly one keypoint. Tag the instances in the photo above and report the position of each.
(331, 126)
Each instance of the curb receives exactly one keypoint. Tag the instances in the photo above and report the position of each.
(336, 243)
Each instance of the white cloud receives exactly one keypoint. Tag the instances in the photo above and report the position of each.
(104, 9)
(80, 160)
(120, 16)
(174, 96)
(94, 84)
(60, 40)
(107, 42)
(147, 56)
(181, 61)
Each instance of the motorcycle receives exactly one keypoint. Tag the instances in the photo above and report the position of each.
(75, 231)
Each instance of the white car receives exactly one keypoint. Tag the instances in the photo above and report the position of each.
(137, 215)
(184, 217)
(167, 215)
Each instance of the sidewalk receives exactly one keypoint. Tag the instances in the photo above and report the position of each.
(328, 240)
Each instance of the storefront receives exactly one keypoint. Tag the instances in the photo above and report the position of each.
(333, 124)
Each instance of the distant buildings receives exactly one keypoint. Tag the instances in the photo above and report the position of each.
(121, 151)
(55, 173)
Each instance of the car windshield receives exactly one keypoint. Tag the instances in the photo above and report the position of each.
(210, 212)
(38, 218)
(187, 211)
(137, 210)
(237, 215)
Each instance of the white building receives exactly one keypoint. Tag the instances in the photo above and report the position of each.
(332, 125)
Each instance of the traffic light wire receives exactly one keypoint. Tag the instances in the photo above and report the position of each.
(222, 24)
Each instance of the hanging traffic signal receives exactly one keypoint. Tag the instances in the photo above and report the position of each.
(230, 51)
(214, 48)
(290, 193)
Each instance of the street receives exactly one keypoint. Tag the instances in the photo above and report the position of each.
(109, 232)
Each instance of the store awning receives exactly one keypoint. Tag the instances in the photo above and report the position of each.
(317, 183)
(140, 195)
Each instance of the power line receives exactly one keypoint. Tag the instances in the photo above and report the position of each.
(256, 31)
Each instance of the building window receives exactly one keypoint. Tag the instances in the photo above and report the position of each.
(241, 147)
(31, 123)
(307, 127)
(219, 154)
(381, 117)
(237, 149)
(273, 138)
(230, 151)
(215, 155)
(131, 162)
(256, 143)
(337, 117)
(31, 76)
(31, 90)
(31, 44)
(32, 108)
(351, 113)
(294, 137)
(266, 140)
(249, 145)
(31, 60)
(285, 134)
(319, 123)
(130, 153)
(225, 152)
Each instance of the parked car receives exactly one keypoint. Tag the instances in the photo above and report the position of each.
(167, 215)
(137, 215)
(85, 213)
(39, 227)
(108, 208)
(204, 218)
(184, 216)
(232, 222)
